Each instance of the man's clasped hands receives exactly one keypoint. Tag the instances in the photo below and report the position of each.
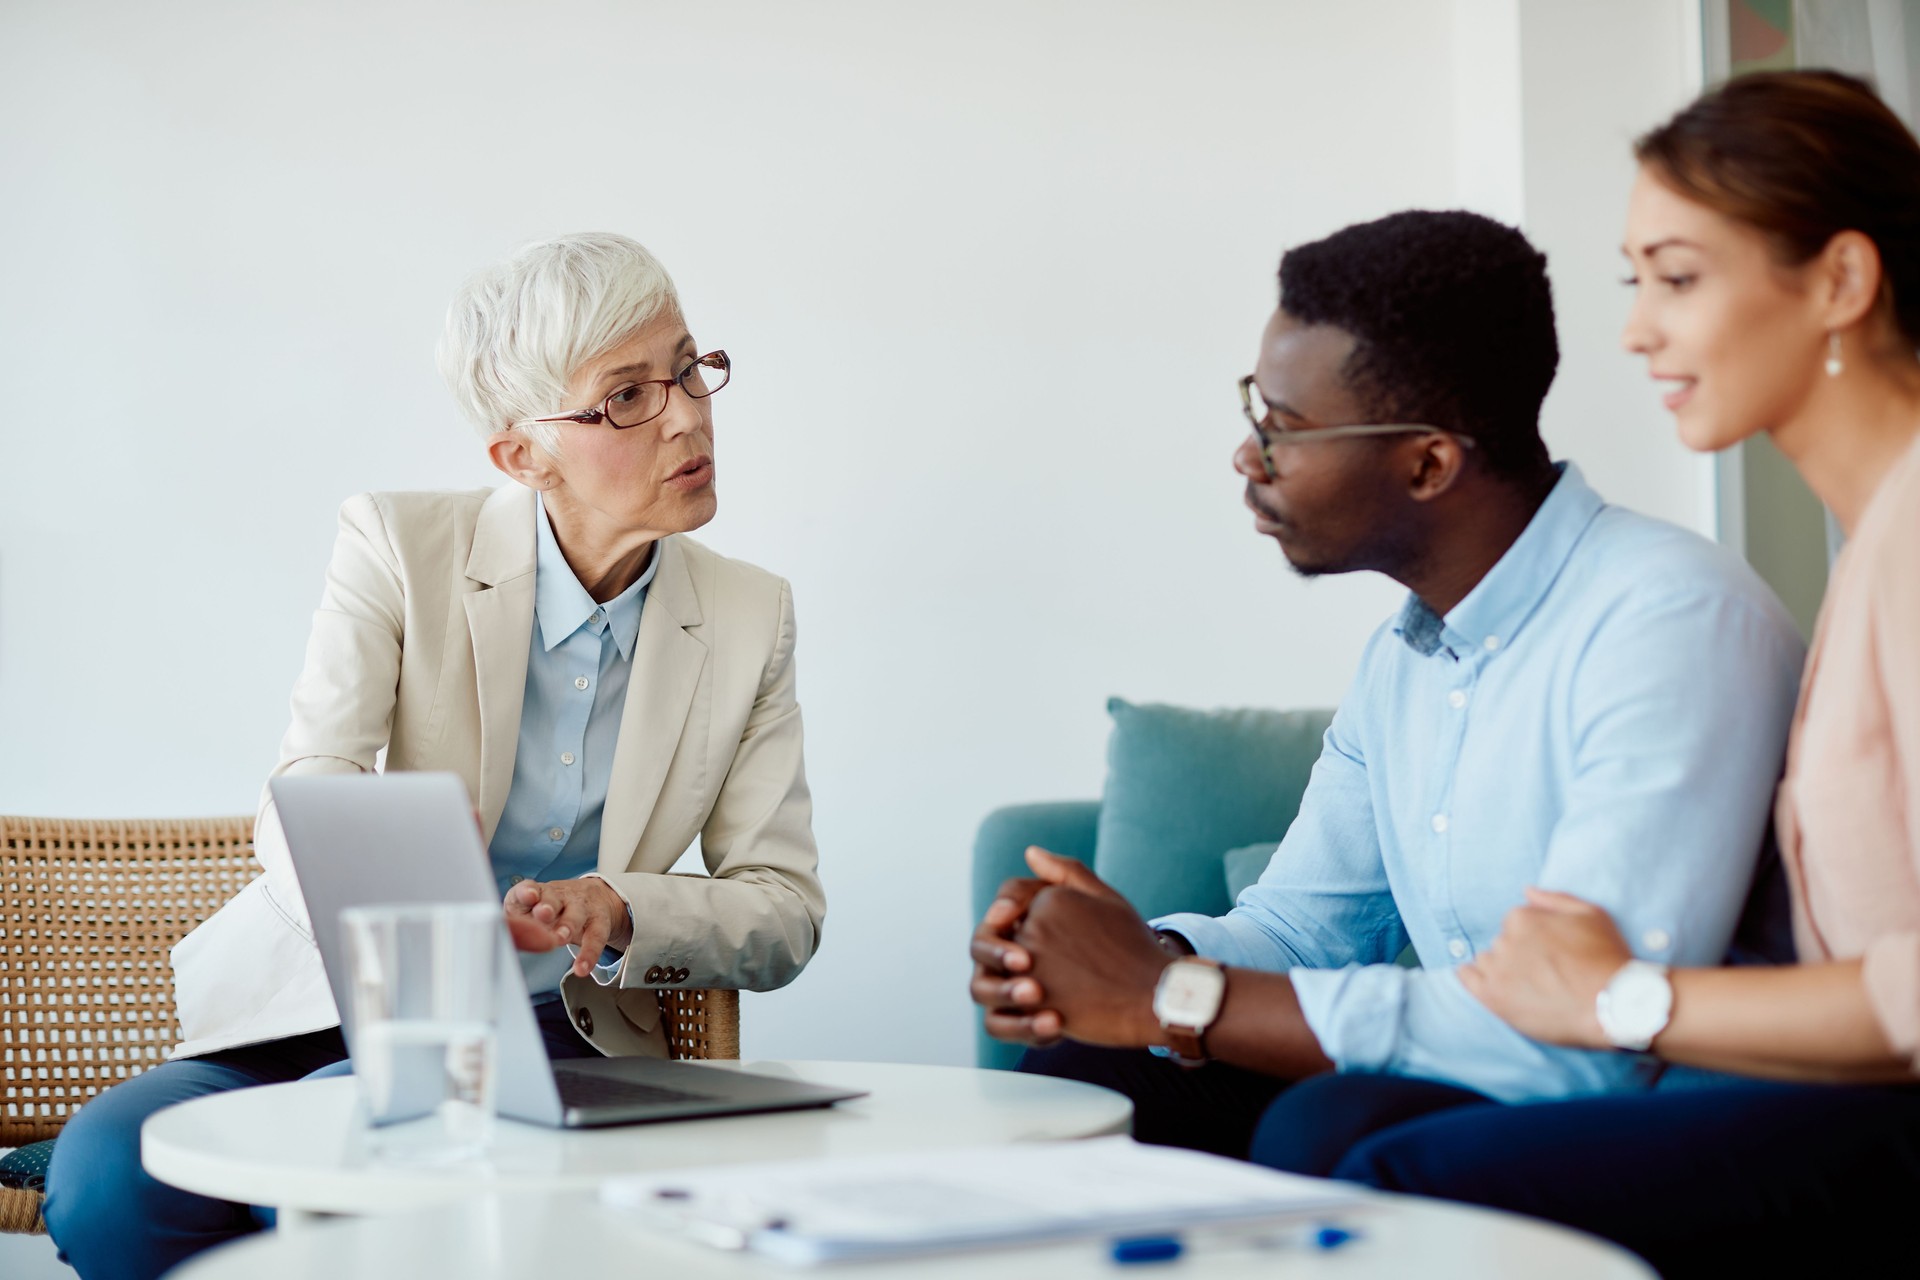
(1061, 953)
(1062, 948)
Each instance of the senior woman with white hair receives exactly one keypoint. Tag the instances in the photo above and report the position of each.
(609, 689)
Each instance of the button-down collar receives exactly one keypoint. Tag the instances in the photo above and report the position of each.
(563, 606)
(1499, 604)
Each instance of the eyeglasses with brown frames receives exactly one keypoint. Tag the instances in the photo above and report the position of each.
(1271, 434)
(637, 403)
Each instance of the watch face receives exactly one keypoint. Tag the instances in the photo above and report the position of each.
(1189, 994)
(1640, 998)
(1636, 1005)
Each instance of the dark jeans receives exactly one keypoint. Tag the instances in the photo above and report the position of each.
(113, 1221)
(1748, 1178)
(1211, 1108)
(1234, 1112)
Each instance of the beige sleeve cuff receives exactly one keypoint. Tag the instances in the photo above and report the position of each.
(1891, 969)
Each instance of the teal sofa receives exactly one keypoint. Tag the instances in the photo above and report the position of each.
(1194, 803)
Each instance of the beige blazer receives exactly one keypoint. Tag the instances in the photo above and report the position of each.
(418, 660)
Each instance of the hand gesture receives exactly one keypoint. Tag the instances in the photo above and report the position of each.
(1095, 959)
(1542, 974)
(1002, 967)
(586, 911)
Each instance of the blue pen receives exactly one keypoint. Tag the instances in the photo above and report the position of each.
(1139, 1250)
(1147, 1249)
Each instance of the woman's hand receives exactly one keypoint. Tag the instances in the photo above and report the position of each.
(586, 912)
(1542, 974)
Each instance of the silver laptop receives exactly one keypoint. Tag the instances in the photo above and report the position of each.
(363, 839)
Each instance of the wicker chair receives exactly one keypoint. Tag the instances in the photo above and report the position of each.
(88, 913)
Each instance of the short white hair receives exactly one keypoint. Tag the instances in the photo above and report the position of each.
(518, 331)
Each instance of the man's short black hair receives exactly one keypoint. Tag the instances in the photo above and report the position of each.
(1452, 318)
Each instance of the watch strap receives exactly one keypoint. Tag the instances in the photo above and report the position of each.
(1187, 1045)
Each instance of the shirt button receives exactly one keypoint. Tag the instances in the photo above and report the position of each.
(556, 834)
(1439, 822)
(1656, 940)
(566, 757)
(1492, 643)
(596, 616)
(1457, 699)
(1457, 948)
(579, 682)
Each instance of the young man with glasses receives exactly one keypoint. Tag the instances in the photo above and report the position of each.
(1573, 696)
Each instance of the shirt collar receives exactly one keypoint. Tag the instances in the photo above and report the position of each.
(562, 606)
(1500, 602)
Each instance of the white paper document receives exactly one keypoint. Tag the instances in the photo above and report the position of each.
(812, 1211)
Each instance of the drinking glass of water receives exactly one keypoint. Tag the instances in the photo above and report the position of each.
(423, 1027)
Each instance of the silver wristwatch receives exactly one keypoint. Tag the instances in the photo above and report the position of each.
(1635, 1005)
(1186, 1000)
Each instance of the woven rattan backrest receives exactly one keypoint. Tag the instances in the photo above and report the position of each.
(88, 912)
(702, 1023)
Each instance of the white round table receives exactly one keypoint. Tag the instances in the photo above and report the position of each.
(492, 1238)
(297, 1147)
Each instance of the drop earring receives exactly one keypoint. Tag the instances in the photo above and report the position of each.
(1834, 366)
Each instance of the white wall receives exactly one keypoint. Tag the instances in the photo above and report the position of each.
(988, 273)
(1593, 78)
(1547, 99)
(1489, 161)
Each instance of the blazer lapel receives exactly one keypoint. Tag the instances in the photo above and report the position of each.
(500, 622)
(667, 661)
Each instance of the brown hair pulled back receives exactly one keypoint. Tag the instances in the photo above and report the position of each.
(1802, 156)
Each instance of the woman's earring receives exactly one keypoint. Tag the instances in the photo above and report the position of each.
(1833, 354)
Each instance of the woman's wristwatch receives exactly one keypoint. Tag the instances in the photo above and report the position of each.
(1635, 1005)
(1187, 1000)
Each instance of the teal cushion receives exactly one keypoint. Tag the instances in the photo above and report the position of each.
(1185, 786)
(1244, 865)
(25, 1168)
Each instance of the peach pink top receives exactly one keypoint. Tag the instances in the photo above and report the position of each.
(1849, 830)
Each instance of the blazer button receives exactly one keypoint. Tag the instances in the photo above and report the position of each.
(680, 975)
(655, 974)
(583, 1018)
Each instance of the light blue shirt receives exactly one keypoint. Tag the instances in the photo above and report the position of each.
(577, 669)
(1605, 714)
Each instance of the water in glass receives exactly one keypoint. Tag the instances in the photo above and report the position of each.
(423, 1033)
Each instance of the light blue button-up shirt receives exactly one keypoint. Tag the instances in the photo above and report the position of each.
(577, 669)
(1605, 714)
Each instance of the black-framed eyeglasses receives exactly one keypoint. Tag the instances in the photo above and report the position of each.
(1271, 434)
(642, 402)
